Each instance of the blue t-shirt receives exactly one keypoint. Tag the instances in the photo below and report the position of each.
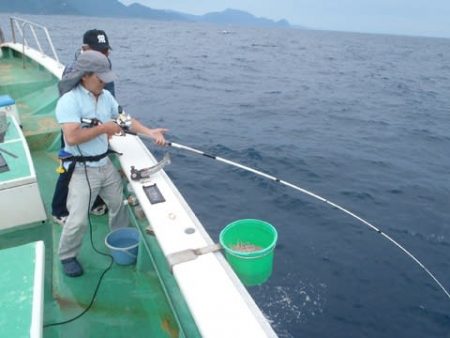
(80, 103)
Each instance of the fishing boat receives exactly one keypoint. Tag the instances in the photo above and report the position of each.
(180, 286)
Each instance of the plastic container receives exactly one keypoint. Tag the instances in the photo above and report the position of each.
(123, 244)
(252, 266)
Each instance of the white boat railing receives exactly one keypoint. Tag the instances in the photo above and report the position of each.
(21, 26)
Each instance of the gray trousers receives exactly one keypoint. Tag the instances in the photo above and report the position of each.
(104, 181)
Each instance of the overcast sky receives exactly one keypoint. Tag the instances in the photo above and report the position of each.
(410, 17)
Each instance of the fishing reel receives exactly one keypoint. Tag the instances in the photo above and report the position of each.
(90, 122)
(123, 119)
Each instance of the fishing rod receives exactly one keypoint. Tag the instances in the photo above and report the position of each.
(311, 194)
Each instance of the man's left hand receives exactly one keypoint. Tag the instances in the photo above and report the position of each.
(157, 134)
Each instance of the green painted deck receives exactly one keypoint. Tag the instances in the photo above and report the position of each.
(36, 94)
(141, 300)
(17, 295)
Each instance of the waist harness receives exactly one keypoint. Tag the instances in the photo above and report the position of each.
(83, 159)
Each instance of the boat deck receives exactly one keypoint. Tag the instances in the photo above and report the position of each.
(140, 300)
(35, 92)
(22, 275)
(149, 299)
(130, 298)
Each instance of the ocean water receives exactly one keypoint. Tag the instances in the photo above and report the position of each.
(360, 119)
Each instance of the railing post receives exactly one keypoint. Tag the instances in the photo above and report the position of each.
(50, 42)
(36, 38)
(12, 30)
(2, 37)
(23, 45)
(20, 30)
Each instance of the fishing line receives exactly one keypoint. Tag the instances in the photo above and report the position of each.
(313, 195)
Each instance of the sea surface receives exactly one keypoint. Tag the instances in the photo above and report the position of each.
(362, 120)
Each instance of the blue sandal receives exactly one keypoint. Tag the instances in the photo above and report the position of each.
(72, 267)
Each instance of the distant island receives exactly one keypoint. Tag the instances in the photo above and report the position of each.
(114, 8)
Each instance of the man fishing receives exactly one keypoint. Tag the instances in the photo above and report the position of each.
(92, 172)
(93, 39)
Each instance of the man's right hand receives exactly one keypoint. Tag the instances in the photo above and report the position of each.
(74, 134)
(110, 128)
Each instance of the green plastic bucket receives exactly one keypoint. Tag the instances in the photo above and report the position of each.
(252, 266)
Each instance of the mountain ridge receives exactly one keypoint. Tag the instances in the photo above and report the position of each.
(114, 8)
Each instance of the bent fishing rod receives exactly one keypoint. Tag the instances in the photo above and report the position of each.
(309, 193)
